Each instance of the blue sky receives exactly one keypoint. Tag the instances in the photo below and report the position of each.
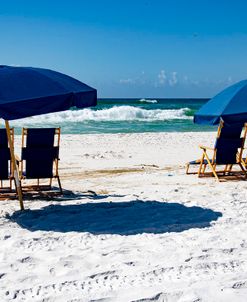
(149, 48)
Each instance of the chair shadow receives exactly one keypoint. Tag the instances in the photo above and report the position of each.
(67, 195)
(122, 218)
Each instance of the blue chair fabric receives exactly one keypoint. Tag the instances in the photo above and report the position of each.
(40, 153)
(4, 155)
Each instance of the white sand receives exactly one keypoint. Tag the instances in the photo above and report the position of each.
(152, 233)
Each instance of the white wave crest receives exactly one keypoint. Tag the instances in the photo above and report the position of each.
(148, 101)
(117, 113)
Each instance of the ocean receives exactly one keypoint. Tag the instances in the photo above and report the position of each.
(123, 116)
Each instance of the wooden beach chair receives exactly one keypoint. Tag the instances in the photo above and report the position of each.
(6, 165)
(227, 151)
(40, 156)
(244, 157)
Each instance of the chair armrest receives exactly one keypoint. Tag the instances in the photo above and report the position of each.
(206, 148)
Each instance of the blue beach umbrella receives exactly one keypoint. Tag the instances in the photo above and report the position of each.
(28, 91)
(230, 105)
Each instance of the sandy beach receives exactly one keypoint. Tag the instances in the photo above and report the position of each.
(130, 227)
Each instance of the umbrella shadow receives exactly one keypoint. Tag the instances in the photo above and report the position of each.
(121, 218)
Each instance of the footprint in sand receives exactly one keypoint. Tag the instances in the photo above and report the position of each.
(52, 271)
(239, 285)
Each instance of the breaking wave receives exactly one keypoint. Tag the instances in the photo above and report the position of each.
(116, 113)
(148, 101)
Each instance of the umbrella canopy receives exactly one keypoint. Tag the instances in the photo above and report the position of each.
(230, 105)
(28, 91)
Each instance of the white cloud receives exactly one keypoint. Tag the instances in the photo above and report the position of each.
(185, 78)
(229, 80)
(140, 80)
(173, 80)
(162, 77)
(127, 81)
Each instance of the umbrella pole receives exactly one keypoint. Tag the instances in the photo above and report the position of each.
(14, 164)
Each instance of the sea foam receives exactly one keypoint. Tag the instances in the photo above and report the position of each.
(148, 101)
(116, 113)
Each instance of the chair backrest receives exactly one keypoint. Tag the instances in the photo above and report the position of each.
(39, 151)
(5, 167)
(228, 143)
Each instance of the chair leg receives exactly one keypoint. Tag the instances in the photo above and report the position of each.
(187, 168)
(59, 184)
(230, 168)
(213, 167)
(243, 169)
(200, 167)
(21, 192)
(226, 169)
(243, 162)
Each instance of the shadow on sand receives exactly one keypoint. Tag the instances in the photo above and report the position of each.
(123, 218)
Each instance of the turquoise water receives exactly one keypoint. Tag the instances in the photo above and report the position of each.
(123, 116)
